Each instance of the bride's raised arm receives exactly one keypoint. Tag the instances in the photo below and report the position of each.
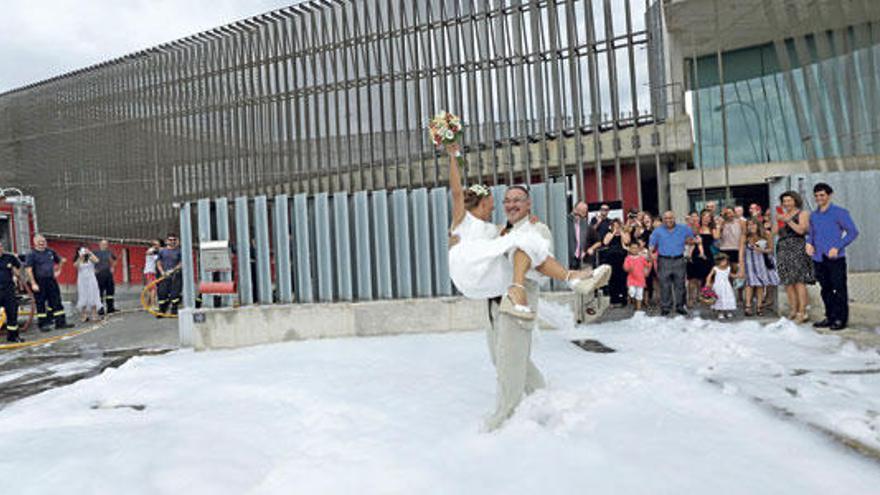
(455, 186)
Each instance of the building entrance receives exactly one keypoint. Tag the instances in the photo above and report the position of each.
(740, 195)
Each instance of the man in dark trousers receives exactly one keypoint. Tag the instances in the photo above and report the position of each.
(43, 266)
(168, 265)
(670, 240)
(583, 240)
(104, 273)
(831, 231)
(9, 266)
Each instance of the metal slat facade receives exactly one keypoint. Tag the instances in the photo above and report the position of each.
(394, 246)
(329, 97)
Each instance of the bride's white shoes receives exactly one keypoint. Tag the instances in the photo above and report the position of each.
(516, 310)
(520, 311)
(599, 278)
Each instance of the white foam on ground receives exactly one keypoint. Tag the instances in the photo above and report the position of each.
(402, 415)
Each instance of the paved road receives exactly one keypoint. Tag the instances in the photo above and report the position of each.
(110, 343)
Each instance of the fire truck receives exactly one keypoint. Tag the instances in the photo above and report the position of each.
(18, 223)
(18, 220)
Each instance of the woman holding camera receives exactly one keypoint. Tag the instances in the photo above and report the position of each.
(616, 241)
(88, 295)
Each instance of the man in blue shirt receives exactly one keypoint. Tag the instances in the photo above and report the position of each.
(831, 231)
(43, 266)
(168, 266)
(670, 241)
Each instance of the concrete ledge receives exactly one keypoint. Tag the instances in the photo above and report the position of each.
(228, 328)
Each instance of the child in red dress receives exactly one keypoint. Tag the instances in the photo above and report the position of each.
(637, 266)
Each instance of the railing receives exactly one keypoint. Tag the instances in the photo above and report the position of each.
(358, 246)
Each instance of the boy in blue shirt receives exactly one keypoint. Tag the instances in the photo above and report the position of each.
(831, 231)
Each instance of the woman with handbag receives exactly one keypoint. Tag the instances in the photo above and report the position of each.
(756, 251)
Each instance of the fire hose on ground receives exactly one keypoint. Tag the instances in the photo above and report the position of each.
(148, 290)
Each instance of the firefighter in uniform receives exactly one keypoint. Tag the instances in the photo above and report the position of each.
(104, 273)
(168, 265)
(43, 265)
(9, 266)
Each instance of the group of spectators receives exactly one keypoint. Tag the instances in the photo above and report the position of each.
(96, 288)
(40, 268)
(722, 257)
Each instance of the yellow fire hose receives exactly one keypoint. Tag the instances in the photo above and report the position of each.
(49, 340)
(74, 333)
(147, 289)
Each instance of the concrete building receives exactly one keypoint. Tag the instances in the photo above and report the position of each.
(800, 92)
(781, 95)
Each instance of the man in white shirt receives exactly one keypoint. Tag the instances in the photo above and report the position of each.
(510, 338)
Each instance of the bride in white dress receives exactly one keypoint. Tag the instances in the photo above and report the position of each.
(479, 264)
(88, 296)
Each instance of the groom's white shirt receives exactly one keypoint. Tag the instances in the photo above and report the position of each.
(542, 230)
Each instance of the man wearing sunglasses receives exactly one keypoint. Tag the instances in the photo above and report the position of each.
(168, 266)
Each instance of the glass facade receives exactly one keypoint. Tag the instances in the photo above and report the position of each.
(814, 96)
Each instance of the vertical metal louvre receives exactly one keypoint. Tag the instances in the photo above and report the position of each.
(353, 248)
(329, 97)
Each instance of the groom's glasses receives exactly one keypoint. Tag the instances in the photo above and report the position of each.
(508, 201)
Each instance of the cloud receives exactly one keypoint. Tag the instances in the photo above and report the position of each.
(47, 38)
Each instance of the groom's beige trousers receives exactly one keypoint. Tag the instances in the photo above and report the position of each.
(510, 345)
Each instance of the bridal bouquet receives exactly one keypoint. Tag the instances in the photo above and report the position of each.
(445, 128)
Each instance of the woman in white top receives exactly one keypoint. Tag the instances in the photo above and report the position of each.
(150, 269)
(479, 264)
(88, 295)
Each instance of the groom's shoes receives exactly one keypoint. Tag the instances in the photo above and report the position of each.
(837, 326)
(822, 324)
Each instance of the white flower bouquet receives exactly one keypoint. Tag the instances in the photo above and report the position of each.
(444, 128)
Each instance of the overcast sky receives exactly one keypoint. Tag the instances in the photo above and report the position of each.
(40, 39)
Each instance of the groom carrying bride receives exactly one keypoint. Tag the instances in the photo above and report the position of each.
(507, 269)
(510, 338)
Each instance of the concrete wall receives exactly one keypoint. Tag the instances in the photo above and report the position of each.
(228, 328)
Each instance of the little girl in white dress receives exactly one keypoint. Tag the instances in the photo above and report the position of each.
(479, 264)
(719, 279)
